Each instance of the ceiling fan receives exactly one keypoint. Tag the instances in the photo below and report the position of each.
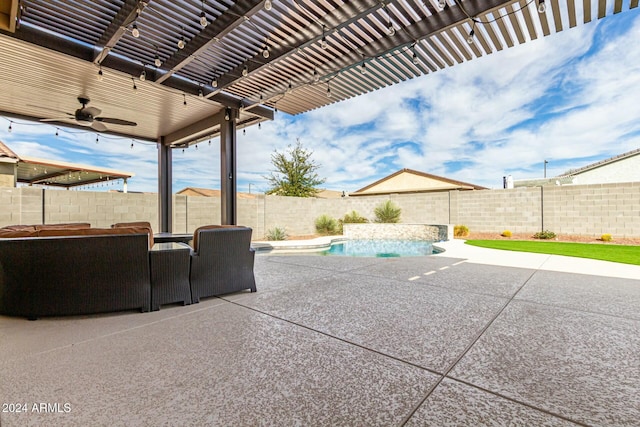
(90, 117)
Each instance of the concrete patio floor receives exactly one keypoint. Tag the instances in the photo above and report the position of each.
(469, 337)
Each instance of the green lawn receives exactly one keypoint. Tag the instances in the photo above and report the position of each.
(615, 253)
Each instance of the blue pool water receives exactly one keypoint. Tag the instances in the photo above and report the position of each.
(382, 248)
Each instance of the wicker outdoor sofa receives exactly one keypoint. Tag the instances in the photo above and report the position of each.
(72, 269)
(60, 271)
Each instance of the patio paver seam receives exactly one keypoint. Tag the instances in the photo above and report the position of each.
(577, 310)
(338, 338)
(467, 348)
(511, 399)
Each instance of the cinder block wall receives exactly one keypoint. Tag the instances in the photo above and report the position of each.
(593, 209)
(582, 209)
(517, 210)
(98, 208)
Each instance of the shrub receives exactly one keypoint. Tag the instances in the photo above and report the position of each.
(326, 225)
(546, 234)
(506, 233)
(387, 212)
(351, 218)
(276, 233)
(460, 231)
(606, 237)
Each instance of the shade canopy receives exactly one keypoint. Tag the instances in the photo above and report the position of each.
(253, 56)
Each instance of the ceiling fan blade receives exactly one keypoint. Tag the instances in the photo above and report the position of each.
(56, 120)
(93, 111)
(115, 121)
(98, 126)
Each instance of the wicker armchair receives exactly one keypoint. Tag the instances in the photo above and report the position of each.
(222, 261)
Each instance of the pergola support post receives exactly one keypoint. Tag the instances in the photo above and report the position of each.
(228, 167)
(165, 202)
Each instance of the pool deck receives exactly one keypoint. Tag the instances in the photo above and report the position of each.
(472, 336)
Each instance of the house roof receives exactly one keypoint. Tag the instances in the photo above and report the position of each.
(32, 170)
(208, 192)
(601, 163)
(417, 182)
(6, 154)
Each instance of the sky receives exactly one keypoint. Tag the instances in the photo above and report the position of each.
(572, 98)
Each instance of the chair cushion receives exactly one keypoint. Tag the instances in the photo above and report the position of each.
(209, 227)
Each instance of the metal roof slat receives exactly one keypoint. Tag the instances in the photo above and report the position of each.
(515, 25)
(571, 11)
(503, 29)
(526, 14)
(557, 18)
(586, 10)
(617, 6)
(460, 47)
(544, 23)
(602, 8)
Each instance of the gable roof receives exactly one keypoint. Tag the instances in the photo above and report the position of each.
(208, 192)
(412, 181)
(601, 163)
(7, 155)
(32, 170)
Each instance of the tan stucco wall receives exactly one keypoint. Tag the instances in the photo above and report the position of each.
(7, 174)
(408, 182)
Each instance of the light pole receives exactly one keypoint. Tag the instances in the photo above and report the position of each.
(249, 188)
(545, 168)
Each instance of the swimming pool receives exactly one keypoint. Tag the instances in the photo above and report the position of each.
(382, 248)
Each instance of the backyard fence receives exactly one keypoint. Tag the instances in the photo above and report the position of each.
(589, 210)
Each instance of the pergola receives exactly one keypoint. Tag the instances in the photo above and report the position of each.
(185, 70)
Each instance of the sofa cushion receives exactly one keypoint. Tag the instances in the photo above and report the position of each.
(96, 232)
(71, 225)
(11, 234)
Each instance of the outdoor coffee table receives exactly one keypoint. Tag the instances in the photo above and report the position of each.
(164, 237)
(170, 274)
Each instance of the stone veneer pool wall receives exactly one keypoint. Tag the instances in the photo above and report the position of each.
(433, 232)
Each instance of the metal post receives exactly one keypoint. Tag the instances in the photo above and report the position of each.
(165, 213)
(545, 168)
(228, 167)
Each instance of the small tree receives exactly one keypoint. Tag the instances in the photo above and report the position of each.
(294, 174)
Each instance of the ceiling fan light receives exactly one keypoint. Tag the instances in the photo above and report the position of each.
(245, 71)
(203, 19)
(214, 82)
(157, 61)
(181, 43)
(265, 52)
(134, 31)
